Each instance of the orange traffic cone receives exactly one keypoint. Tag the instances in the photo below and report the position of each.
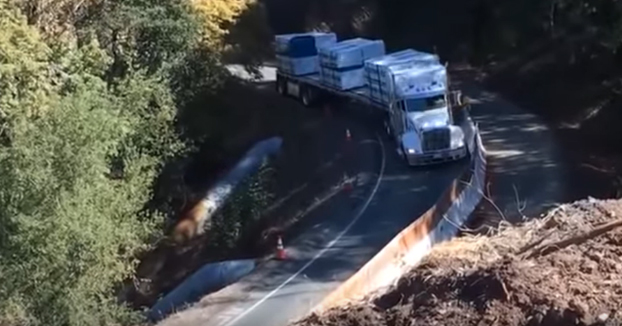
(280, 250)
(348, 135)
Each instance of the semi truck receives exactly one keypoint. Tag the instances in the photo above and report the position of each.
(420, 117)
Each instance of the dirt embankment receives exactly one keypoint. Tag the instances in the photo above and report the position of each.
(562, 269)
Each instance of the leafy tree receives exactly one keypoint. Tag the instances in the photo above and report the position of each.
(93, 98)
(77, 163)
(217, 16)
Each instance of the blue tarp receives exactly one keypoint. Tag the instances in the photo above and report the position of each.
(209, 278)
(302, 45)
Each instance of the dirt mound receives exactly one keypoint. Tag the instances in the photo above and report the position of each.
(562, 269)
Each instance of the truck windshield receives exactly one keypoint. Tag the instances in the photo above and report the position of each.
(425, 104)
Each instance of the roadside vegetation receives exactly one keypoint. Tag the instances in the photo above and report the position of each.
(102, 104)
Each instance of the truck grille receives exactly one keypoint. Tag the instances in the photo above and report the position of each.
(436, 139)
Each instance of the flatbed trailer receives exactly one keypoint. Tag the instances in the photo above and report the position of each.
(307, 87)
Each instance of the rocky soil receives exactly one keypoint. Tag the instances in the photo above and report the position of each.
(561, 269)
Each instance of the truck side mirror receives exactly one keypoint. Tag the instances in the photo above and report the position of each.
(464, 101)
(455, 99)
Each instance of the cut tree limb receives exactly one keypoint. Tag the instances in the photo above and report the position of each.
(550, 224)
(552, 247)
(536, 243)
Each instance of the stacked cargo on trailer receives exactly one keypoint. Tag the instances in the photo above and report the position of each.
(341, 64)
(411, 86)
(379, 71)
(297, 54)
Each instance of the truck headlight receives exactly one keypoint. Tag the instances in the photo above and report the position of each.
(457, 138)
(457, 143)
(410, 151)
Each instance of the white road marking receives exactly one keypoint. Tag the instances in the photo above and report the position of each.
(330, 244)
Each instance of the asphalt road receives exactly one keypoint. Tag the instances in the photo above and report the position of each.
(528, 171)
(340, 235)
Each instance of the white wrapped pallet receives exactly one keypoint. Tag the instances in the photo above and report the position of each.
(350, 53)
(302, 44)
(380, 73)
(419, 78)
(428, 79)
(323, 40)
(380, 81)
(380, 69)
(325, 53)
(400, 57)
(298, 66)
(344, 79)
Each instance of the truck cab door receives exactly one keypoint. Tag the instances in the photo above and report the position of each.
(397, 118)
(459, 106)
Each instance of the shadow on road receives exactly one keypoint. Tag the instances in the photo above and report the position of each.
(527, 171)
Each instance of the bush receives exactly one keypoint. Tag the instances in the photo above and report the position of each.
(77, 163)
(242, 210)
(95, 99)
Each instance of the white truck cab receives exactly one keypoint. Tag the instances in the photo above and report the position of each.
(422, 124)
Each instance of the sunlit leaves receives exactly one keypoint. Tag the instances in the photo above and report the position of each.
(77, 165)
(216, 15)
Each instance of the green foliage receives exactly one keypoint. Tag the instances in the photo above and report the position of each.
(25, 77)
(244, 208)
(78, 160)
(93, 98)
(195, 80)
(249, 41)
(69, 231)
(216, 16)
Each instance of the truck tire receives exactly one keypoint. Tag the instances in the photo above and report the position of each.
(306, 97)
(404, 155)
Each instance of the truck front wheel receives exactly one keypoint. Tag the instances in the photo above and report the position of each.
(404, 154)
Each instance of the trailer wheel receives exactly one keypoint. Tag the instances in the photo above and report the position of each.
(306, 97)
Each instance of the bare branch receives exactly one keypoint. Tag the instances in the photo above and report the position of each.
(519, 206)
(552, 247)
(489, 200)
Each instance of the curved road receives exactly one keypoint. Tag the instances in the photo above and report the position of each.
(340, 236)
(528, 172)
